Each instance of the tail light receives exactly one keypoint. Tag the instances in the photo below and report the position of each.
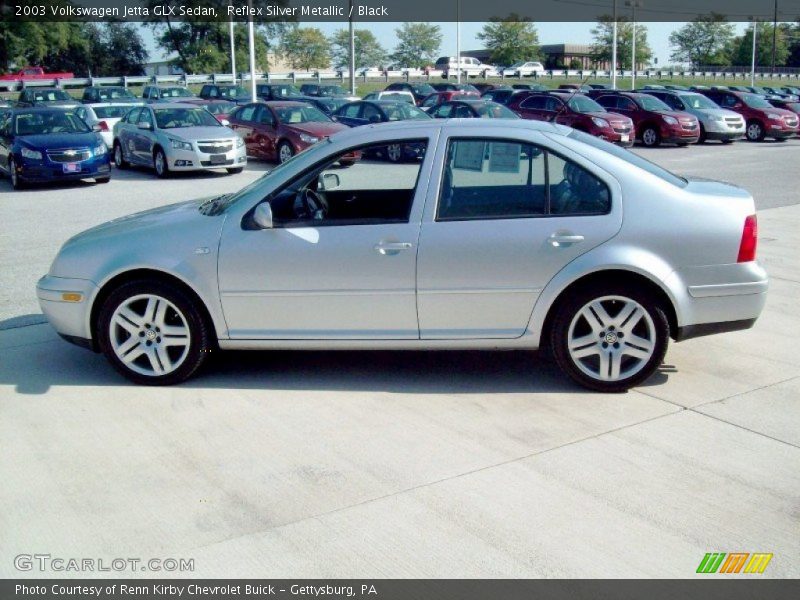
(747, 247)
(103, 126)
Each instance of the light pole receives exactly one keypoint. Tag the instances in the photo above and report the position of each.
(458, 39)
(352, 53)
(614, 50)
(753, 63)
(252, 43)
(634, 4)
(233, 54)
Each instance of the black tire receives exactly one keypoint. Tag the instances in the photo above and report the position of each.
(161, 168)
(755, 131)
(119, 158)
(727, 141)
(235, 170)
(682, 144)
(102, 179)
(702, 138)
(285, 151)
(651, 137)
(16, 182)
(568, 310)
(201, 338)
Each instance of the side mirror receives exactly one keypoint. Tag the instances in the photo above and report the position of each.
(263, 215)
(96, 128)
(330, 181)
(375, 119)
(144, 125)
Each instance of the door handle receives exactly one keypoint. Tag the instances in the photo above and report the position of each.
(390, 248)
(558, 240)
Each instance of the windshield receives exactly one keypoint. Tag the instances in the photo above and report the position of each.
(755, 101)
(582, 104)
(114, 93)
(629, 157)
(403, 111)
(793, 106)
(172, 118)
(331, 90)
(39, 123)
(517, 64)
(284, 91)
(697, 101)
(300, 114)
(423, 89)
(111, 112)
(494, 111)
(51, 96)
(220, 108)
(467, 87)
(233, 92)
(176, 92)
(651, 103)
(395, 96)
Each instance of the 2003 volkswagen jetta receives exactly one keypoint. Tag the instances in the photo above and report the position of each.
(504, 235)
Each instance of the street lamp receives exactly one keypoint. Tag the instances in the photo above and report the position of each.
(614, 50)
(233, 54)
(634, 4)
(352, 53)
(753, 63)
(458, 40)
(251, 41)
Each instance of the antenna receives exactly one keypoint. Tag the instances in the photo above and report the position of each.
(571, 96)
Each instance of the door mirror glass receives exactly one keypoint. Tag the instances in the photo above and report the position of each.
(263, 215)
(374, 118)
(329, 181)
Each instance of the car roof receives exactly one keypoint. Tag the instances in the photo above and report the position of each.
(277, 103)
(45, 89)
(172, 105)
(27, 109)
(104, 104)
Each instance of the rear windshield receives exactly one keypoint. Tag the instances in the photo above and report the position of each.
(111, 112)
(490, 110)
(51, 96)
(38, 123)
(629, 157)
(176, 92)
(114, 93)
(403, 111)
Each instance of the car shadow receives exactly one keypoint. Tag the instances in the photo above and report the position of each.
(34, 360)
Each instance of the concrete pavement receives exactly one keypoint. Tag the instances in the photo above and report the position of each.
(463, 464)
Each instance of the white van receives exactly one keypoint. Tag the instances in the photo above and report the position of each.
(471, 67)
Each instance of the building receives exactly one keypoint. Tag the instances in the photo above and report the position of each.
(558, 56)
(277, 64)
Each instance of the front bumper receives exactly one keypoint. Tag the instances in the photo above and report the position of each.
(778, 132)
(675, 135)
(724, 135)
(66, 304)
(194, 160)
(45, 170)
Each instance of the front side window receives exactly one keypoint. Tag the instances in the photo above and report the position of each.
(499, 179)
(300, 114)
(372, 191)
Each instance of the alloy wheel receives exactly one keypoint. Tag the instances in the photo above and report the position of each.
(649, 137)
(754, 132)
(159, 163)
(285, 153)
(12, 168)
(149, 335)
(118, 155)
(611, 338)
(394, 152)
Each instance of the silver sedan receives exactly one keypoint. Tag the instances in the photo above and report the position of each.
(176, 137)
(504, 235)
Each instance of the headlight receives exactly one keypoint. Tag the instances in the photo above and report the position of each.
(99, 150)
(28, 153)
(600, 122)
(181, 145)
(670, 120)
(716, 117)
(309, 139)
(239, 142)
(774, 116)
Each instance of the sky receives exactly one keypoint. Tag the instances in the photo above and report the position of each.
(549, 33)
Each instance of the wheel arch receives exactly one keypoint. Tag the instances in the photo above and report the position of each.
(107, 288)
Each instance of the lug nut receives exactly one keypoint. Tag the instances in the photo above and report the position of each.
(616, 345)
(605, 345)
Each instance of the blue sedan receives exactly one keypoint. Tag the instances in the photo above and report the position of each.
(48, 144)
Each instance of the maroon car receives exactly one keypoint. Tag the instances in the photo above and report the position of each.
(576, 111)
(761, 118)
(655, 122)
(435, 99)
(280, 129)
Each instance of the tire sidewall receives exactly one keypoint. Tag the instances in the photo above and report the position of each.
(200, 343)
(656, 138)
(280, 148)
(165, 170)
(121, 164)
(574, 302)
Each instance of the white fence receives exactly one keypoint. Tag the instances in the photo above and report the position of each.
(340, 76)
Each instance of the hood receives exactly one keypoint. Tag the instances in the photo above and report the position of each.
(319, 129)
(57, 141)
(677, 114)
(719, 112)
(69, 103)
(192, 134)
(610, 117)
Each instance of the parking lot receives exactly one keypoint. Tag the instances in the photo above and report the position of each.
(390, 464)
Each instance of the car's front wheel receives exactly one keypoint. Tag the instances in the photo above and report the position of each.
(651, 137)
(160, 163)
(612, 340)
(235, 170)
(153, 333)
(16, 182)
(119, 158)
(755, 131)
(285, 152)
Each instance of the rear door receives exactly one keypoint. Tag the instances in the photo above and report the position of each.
(511, 213)
(265, 133)
(242, 122)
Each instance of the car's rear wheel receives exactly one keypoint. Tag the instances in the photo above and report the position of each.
(612, 340)
(160, 163)
(394, 152)
(16, 182)
(285, 152)
(235, 170)
(727, 141)
(651, 137)
(153, 333)
(119, 158)
(755, 131)
(102, 179)
(702, 138)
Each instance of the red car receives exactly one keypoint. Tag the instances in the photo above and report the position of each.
(761, 118)
(576, 111)
(221, 110)
(34, 73)
(280, 129)
(433, 100)
(655, 122)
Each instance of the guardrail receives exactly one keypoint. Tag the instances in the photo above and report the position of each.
(341, 76)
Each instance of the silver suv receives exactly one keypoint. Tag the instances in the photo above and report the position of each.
(715, 123)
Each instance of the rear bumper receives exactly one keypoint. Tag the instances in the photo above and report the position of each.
(688, 332)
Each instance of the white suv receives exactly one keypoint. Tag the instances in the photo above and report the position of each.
(471, 67)
(524, 69)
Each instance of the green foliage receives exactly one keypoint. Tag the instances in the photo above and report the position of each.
(603, 36)
(418, 44)
(306, 48)
(740, 48)
(704, 41)
(368, 50)
(510, 40)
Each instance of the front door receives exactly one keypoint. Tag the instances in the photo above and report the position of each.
(509, 216)
(340, 261)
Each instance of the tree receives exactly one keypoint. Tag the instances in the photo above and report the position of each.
(124, 52)
(368, 51)
(704, 41)
(792, 34)
(306, 47)
(603, 36)
(418, 44)
(741, 48)
(510, 40)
